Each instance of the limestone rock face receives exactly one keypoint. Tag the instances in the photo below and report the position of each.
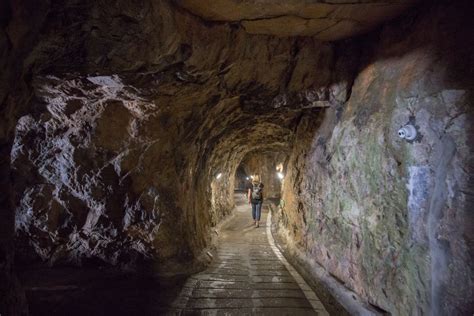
(325, 20)
(378, 212)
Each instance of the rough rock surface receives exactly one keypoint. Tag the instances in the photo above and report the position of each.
(75, 160)
(117, 118)
(120, 166)
(392, 219)
(325, 20)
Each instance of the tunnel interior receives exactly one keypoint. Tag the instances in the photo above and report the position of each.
(241, 179)
(128, 127)
(267, 165)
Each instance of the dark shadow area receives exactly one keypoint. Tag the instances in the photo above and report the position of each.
(90, 291)
(241, 179)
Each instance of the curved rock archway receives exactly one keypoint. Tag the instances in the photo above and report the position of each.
(117, 119)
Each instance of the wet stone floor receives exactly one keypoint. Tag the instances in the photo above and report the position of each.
(246, 276)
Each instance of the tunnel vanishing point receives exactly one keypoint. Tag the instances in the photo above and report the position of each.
(127, 129)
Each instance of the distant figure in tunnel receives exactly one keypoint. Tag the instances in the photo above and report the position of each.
(255, 197)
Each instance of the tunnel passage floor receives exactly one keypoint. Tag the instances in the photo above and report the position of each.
(246, 276)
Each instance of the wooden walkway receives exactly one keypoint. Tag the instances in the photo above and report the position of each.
(248, 276)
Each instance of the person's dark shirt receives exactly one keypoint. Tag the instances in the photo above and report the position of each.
(250, 187)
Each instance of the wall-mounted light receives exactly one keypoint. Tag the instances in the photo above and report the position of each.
(219, 175)
(279, 167)
(251, 177)
(407, 132)
(280, 175)
(247, 178)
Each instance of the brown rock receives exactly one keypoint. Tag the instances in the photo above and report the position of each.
(324, 20)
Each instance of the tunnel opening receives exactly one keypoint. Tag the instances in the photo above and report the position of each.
(127, 128)
(268, 165)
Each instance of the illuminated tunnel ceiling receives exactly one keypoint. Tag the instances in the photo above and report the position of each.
(325, 20)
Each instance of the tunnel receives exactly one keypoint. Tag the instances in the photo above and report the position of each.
(133, 133)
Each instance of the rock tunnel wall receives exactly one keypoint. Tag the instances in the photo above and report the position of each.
(391, 219)
(115, 156)
(91, 182)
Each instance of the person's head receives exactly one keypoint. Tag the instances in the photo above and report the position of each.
(256, 178)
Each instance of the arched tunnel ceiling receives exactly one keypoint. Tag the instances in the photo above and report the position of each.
(128, 111)
(326, 20)
(173, 98)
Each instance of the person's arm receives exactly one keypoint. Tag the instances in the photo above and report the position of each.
(249, 194)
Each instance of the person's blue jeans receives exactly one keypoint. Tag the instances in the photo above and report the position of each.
(256, 210)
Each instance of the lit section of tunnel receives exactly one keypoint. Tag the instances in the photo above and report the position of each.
(124, 127)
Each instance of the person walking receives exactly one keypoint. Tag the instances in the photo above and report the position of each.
(255, 197)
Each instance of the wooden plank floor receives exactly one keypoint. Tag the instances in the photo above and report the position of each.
(248, 276)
